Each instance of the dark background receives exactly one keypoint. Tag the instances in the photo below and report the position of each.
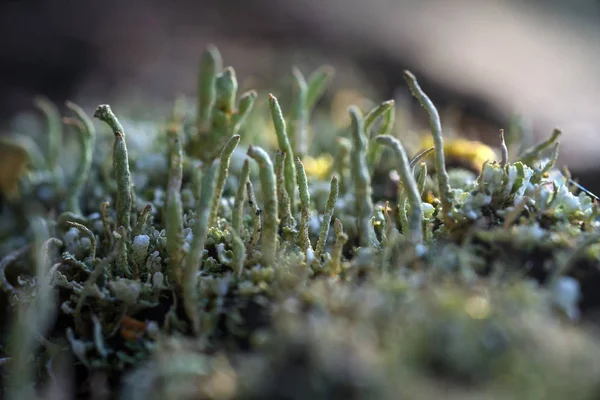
(490, 59)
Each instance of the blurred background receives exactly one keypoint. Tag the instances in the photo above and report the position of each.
(486, 60)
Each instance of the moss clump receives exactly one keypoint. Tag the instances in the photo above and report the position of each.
(168, 275)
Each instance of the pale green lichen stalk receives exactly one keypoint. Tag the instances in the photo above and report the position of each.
(269, 194)
(438, 141)
(340, 240)
(86, 231)
(174, 207)
(504, 150)
(298, 118)
(361, 177)
(193, 260)
(210, 66)
(120, 166)
(283, 200)
(415, 229)
(306, 95)
(340, 161)
(256, 216)
(329, 209)
(285, 146)
(87, 135)
(416, 159)
(55, 132)
(222, 177)
(142, 219)
(218, 116)
(383, 111)
(533, 152)
(238, 204)
(245, 105)
(303, 237)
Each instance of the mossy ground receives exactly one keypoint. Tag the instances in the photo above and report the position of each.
(233, 249)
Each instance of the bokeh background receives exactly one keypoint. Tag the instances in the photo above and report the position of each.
(487, 60)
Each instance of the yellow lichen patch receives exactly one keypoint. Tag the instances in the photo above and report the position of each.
(318, 167)
(463, 152)
(429, 197)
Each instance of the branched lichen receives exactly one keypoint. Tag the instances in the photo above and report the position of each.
(218, 116)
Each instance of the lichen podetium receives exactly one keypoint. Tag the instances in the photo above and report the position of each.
(185, 268)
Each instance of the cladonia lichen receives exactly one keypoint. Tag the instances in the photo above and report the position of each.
(207, 265)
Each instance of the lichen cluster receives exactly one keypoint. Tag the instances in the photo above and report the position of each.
(209, 265)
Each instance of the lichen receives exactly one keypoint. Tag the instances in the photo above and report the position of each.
(170, 276)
